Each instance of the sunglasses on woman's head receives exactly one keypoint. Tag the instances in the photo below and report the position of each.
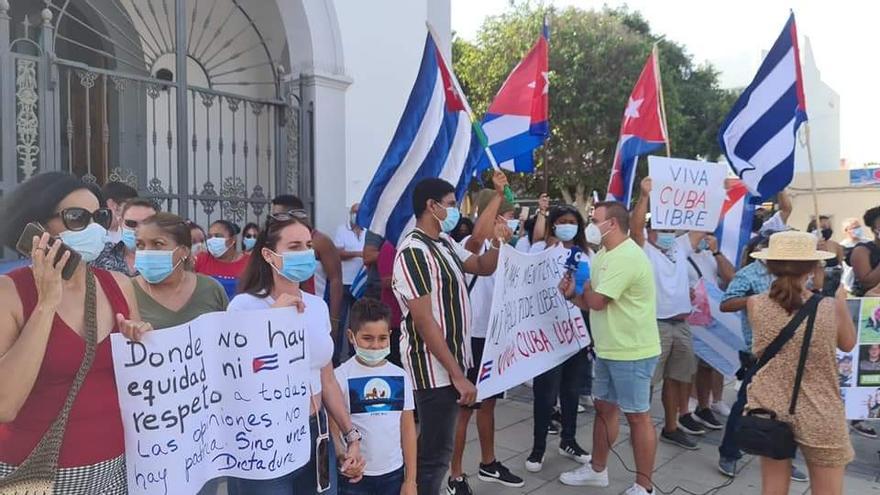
(76, 218)
(289, 215)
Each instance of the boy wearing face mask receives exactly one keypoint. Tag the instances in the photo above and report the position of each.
(379, 398)
(669, 254)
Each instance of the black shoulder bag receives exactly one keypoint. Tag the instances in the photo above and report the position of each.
(759, 432)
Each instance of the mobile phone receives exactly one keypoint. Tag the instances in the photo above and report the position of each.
(832, 281)
(25, 245)
(322, 462)
(524, 213)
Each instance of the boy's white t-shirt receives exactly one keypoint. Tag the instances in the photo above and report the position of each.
(376, 397)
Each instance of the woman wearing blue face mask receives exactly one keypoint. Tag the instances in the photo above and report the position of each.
(249, 237)
(223, 261)
(283, 259)
(571, 379)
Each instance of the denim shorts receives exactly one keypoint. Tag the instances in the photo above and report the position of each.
(625, 383)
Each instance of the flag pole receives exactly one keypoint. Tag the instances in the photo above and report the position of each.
(478, 128)
(656, 54)
(812, 173)
(544, 146)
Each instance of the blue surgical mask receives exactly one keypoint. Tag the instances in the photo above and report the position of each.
(155, 265)
(513, 225)
(249, 243)
(451, 220)
(372, 357)
(665, 240)
(297, 266)
(703, 245)
(127, 237)
(88, 242)
(566, 231)
(217, 246)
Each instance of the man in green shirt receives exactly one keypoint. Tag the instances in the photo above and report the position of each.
(622, 304)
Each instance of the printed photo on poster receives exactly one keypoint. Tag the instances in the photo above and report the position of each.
(372, 394)
(863, 403)
(869, 365)
(846, 374)
(869, 321)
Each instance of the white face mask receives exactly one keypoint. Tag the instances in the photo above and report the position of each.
(594, 234)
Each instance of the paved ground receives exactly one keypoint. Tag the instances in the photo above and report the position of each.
(691, 470)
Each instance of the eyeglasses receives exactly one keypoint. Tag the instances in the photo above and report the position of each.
(289, 215)
(76, 218)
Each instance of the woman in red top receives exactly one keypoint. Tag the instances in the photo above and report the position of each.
(42, 338)
(223, 261)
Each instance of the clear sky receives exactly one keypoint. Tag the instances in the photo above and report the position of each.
(732, 34)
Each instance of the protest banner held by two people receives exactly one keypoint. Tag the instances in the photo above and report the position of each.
(210, 398)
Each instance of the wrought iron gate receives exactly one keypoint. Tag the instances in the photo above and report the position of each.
(182, 99)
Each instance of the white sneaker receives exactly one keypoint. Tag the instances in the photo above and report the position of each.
(692, 404)
(721, 408)
(637, 489)
(584, 476)
(581, 409)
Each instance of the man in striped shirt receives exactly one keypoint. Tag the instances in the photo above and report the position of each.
(429, 283)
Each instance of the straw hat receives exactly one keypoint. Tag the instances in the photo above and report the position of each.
(792, 246)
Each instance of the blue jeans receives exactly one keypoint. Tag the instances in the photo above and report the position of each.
(728, 448)
(625, 383)
(383, 484)
(563, 382)
(300, 482)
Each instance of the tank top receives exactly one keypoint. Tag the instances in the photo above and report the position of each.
(858, 289)
(94, 429)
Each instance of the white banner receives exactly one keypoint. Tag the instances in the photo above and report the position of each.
(532, 328)
(226, 394)
(686, 194)
(858, 371)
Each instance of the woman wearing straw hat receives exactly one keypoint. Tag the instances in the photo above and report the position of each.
(819, 421)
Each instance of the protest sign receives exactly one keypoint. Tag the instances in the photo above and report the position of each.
(858, 371)
(718, 343)
(532, 328)
(226, 394)
(686, 194)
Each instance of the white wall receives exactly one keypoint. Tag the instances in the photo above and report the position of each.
(823, 111)
(382, 43)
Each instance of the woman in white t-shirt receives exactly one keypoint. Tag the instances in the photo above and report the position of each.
(282, 259)
(566, 381)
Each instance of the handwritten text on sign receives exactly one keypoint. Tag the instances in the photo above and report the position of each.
(224, 395)
(686, 194)
(532, 328)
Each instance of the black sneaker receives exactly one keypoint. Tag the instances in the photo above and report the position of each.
(863, 429)
(554, 428)
(459, 486)
(678, 438)
(707, 419)
(556, 416)
(535, 462)
(497, 473)
(689, 425)
(574, 451)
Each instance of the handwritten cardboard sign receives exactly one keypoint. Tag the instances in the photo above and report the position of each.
(532, 328)
(686, 194)
(226, 394)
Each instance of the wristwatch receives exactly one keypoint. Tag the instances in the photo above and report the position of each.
(353, 435)
(716, 253)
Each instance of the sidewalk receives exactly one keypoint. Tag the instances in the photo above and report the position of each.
(695, 471)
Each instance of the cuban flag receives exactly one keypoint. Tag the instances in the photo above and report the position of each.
(641, 132)
(758, 136)
(735, 227)
(516, 122)
(434, 138)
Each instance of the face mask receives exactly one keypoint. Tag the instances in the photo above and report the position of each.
(88, 242)
(217, 246)
(451, 220)
(249, 243)
(826, 233)
(352, 217)
(703, 245)
(297, 266)
(665, 240)
(594, 234)
(372, 357)
(513, 225)
(198, 247)
(858, 233)
(566, 231)
(128, 238)
(155, 265)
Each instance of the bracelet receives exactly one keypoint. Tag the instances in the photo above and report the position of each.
(353, 435)
(716, 253)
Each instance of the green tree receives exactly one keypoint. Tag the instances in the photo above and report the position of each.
(595, 59)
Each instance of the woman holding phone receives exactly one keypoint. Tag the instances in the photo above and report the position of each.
(53, 329)
(283, 258)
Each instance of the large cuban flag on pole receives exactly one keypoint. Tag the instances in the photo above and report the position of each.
(759, 134)
(642, 131)
(434, 138)
(516, 122)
